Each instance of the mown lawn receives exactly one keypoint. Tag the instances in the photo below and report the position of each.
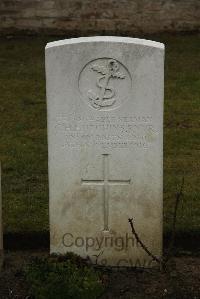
(23, 140)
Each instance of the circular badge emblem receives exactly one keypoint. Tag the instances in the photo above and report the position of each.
(105, 84)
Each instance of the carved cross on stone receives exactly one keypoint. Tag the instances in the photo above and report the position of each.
(105, 182)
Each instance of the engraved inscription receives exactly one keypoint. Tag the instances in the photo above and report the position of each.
(103, 83)
(106, 182)
(106, 132)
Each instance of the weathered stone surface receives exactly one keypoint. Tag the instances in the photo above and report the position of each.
(83, 16)
(105, 139)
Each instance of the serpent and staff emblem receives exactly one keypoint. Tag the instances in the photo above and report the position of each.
(105, 84)
(106, 95)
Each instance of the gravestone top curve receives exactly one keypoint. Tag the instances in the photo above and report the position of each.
(110, 39)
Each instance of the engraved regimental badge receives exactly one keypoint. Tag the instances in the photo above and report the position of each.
(105, 84)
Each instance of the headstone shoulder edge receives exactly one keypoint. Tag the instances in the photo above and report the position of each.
(111, 39)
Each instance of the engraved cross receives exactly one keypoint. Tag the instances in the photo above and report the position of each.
(105, 182)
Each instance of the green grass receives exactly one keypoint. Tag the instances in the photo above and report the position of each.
(63, 277)
(23, 140)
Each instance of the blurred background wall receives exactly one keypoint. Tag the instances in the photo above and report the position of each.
(92, 16)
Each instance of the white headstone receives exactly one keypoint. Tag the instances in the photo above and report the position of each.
(105, 141)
